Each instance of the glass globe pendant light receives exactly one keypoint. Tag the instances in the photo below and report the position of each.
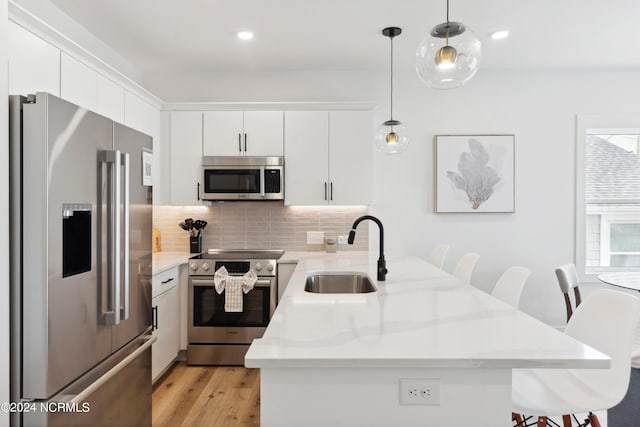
(391, 137)
(449, 56)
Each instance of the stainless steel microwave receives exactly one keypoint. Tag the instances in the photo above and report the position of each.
(242, 178)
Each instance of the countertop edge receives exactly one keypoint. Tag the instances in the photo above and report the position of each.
(163, 261)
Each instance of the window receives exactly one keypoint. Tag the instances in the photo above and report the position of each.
(608, 197)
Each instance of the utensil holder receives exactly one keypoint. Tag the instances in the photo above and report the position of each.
(195, 244)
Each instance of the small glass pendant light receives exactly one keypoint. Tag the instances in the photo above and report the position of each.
(391, 137)
(449, 56)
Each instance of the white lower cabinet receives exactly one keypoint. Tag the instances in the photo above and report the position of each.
(166, 321)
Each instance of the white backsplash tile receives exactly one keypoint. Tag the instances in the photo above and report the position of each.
(258, 225)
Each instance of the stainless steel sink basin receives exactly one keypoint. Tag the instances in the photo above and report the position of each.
(339, 283)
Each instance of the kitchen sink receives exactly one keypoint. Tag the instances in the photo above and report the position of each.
(339, 283)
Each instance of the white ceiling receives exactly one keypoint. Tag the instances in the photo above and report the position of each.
(167, 36)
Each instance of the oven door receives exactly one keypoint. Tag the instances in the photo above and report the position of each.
(209, 323)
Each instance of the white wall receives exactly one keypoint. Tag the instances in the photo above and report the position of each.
(538, 106)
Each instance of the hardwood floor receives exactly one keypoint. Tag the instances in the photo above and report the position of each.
(218, 396)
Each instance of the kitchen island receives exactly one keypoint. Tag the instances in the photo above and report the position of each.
(340, 359)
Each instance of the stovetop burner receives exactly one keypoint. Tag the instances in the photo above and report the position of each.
(240, 254)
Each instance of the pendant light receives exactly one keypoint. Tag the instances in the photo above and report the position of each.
(449, 56)
(391, 137)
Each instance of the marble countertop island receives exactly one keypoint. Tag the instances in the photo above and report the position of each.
(320, 350)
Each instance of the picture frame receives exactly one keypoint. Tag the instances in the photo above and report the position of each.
(475, 173)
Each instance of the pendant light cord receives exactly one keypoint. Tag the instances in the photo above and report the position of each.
(391, 38)
(447, 40)
(447, 11)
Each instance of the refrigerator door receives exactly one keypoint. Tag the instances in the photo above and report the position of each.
(115, 393)
(63, 332)
(136, 218)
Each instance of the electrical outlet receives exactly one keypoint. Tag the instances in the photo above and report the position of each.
(342, 240)
(315, 237)
(420, 391)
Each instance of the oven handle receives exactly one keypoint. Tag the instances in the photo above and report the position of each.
(264, 283)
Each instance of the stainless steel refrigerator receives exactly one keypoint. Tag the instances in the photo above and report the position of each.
(80, 267)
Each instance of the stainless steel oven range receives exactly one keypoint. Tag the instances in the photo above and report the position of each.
(217, 337)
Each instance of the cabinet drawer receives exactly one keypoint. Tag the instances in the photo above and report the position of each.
(164, 281)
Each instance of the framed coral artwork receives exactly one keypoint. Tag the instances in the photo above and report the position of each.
(475, 173)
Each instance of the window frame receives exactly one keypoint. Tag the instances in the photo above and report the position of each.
(624, 123)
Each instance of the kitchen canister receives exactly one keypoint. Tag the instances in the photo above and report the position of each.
(331, 245)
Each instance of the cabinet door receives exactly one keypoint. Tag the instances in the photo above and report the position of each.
(263, 133)
(223, 134)
(350, 157)
(306, 136)
(186, 156)
(165, 349)
(34, 64)
(110, 99)
(78, 83)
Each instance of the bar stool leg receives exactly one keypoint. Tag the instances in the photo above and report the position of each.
(593, 419)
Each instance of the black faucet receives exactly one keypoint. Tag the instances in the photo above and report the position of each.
(382, 264)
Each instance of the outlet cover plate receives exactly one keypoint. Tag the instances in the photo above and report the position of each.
(315, 237)
(420, 391)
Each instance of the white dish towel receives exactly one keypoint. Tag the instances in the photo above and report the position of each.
(234, 286)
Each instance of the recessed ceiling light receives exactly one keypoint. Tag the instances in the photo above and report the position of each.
(499, 35)
(245, 35)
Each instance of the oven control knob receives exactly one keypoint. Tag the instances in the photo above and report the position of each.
(270, 267)
(258, 266)
(193, 266)
(205, 266)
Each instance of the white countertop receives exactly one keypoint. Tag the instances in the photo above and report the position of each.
(422, 317)
(165, 260)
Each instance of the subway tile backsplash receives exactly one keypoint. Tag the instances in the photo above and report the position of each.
(258, 225)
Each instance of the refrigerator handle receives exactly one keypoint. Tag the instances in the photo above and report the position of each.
(112, 314)
(124, 311)
(84, 394)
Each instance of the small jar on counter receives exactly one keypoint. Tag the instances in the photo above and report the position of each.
(331, 245)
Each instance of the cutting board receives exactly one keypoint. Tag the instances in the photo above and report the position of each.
(155, 245)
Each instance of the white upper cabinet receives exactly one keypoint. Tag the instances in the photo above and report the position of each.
(306, 157)
(140, 115)
(186, 156)
(34, 64)
(350, 157)
(110, 99)
(328, 157)
(243, 133)
(78, 83)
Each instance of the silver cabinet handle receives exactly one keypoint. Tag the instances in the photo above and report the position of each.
(125, 267)
(325, 191)
(245, 142)
(240, 143)
(84, 394)
(331, 191)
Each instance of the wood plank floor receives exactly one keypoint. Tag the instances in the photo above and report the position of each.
(218, 396)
